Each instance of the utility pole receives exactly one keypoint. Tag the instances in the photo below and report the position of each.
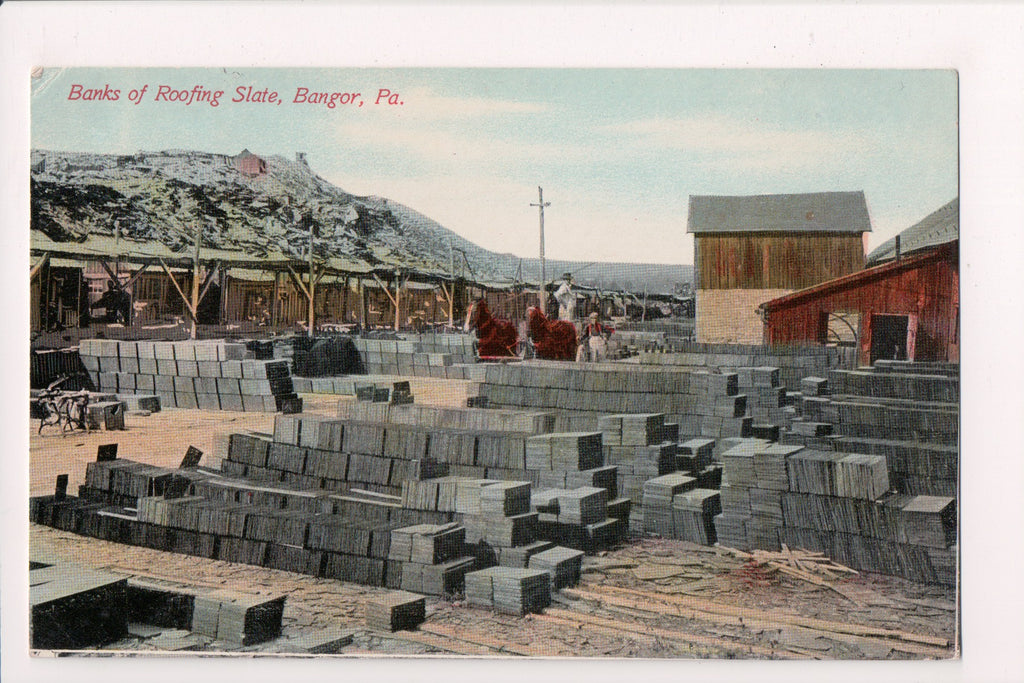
(543, 273)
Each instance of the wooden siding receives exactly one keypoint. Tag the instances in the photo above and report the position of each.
(775, 260)
(927, 289)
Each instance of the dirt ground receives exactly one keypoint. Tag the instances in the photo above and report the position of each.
(651, 598)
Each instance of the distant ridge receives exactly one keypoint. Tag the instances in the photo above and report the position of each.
(264, 205)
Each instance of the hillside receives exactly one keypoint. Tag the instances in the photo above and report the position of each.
(263, 207)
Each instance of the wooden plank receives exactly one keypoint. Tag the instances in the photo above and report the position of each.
(571, 620)
(776, 617)
(441, 643)
(677, 636)
(188, 303)
(483, 640)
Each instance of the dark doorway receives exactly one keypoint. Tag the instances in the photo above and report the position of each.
(889, 337)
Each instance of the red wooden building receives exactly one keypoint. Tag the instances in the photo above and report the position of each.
(907, 306)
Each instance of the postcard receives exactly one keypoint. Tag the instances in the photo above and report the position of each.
(494, 362)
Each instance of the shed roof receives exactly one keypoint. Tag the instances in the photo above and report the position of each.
(836, 212)
(859, 278)
(939, 227)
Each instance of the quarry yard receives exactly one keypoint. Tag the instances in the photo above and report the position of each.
(648, 597)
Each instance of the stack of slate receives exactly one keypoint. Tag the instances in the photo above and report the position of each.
(909, 536)
(431, 558)
(641, 446)
(754, 475)
(509, 589)
(299, 530)
(907, 412)
(210, 375)
(73, 607)
(577, 518)
(694, 457)
(236, 618)
(794, 362)
(835, 503)
(563, 565)
(693, 514)
(504, 521)
(470, 419)
(657, 502)
(395, 611)
(766, 399)
(411, 357)
(703, 404)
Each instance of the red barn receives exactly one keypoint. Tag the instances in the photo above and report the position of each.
(906, 302)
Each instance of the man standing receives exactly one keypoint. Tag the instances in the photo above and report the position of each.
(566, 299)
(594, 340)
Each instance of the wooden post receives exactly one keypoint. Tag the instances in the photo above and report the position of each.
(362, 304)
(344, 302)
(312, 284)
(398, 299)
(195, 282)
(222, 317)
(275, 301)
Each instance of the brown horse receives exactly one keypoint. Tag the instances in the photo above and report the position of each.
(496, 337)
(552, 339)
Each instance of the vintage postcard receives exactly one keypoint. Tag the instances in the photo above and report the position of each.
(724, 385)
(502, 363)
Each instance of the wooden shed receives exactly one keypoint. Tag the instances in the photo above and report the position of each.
(752, 249)
(907, 306)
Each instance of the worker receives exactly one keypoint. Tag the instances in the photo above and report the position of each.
(593, 340)
(566, 299)
(116, 302)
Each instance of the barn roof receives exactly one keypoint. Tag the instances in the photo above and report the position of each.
(939, 227)
(859, 278)
(836, 212)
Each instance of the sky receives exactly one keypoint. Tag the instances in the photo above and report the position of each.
(618, 152)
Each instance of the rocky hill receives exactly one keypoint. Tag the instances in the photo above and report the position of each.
(261, 206)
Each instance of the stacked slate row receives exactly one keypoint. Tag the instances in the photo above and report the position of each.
(473, 419)
(906, 412)
(702, 403)
(633, 342)
(331, 536)
(411, 357)
(74, 607)
(794, 362)
(274, 460)
(836, 503)
(209, 375)
(402, 451)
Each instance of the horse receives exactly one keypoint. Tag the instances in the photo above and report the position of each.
(496, 337)
(552, 339)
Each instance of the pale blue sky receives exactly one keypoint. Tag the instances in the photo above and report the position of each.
(617, 151)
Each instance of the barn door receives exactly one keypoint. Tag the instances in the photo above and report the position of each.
(911, 336)
(865, 339)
